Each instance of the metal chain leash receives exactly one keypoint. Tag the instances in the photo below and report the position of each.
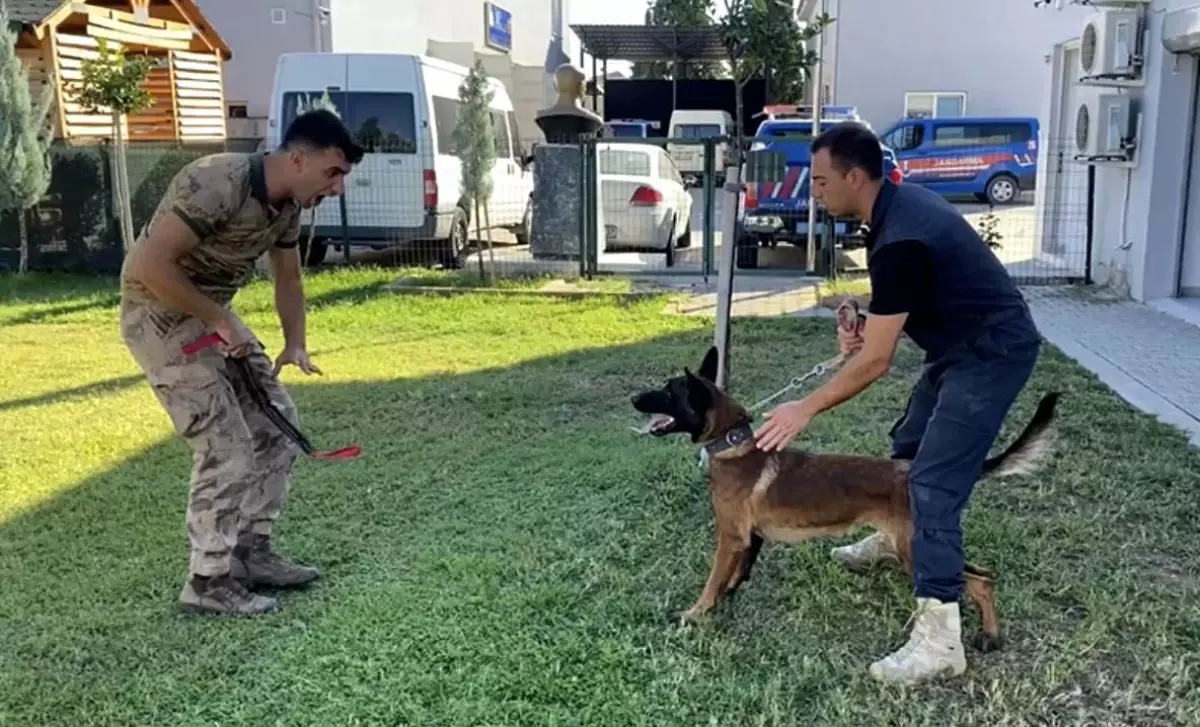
(798, 381)
(849, 318)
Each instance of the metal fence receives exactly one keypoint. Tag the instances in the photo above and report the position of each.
(74, 227)
(634, 206)
(619, 206)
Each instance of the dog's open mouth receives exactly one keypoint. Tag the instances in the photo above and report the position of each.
(658, 425)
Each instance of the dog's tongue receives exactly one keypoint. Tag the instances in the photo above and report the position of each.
(656, 422)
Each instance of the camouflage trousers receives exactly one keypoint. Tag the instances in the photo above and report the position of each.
(241, 462)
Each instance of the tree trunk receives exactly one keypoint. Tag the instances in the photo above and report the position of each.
(121, 185)
(126, 196)
(23, 231)
(487, 221)
(479, 236)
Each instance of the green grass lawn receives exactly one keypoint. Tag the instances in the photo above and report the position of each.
(507, 552)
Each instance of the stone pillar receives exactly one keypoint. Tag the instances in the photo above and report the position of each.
(557, 184)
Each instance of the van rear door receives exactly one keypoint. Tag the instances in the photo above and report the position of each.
(302, 81)
(387, 189)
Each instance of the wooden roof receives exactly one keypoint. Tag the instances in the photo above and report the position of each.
(37, 14)
(31, 12)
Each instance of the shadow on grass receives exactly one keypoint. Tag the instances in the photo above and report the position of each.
(46, 315)
(108, 386)
(508, 552)
(355, 295)
(38, 288)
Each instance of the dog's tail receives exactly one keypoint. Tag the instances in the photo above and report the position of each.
(1024, 454)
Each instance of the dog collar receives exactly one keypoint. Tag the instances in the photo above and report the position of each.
(735, 437)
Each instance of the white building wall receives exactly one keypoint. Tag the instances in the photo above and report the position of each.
(996, 52)
(454, 30)
(1139, 212)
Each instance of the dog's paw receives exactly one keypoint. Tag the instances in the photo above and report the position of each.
(689, 617)
(985, 643)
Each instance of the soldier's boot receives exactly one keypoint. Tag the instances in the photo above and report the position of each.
(256, 563)
(934, 649)
(223, 594)
(875, 548)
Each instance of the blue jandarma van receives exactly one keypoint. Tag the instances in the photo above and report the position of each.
(993, 158)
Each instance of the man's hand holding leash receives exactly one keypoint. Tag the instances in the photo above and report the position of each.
(872, 339)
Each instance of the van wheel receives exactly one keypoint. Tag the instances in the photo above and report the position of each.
(312, 255)
(1003, 189)
(524, 231)
(455, 252)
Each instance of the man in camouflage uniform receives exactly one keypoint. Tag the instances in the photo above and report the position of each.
(219, 215)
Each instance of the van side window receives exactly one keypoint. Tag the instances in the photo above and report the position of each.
(381, 122)
(500, 134)
(906, 138)
(445, 117)
(987, 134)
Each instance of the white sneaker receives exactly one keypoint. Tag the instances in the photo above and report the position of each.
(875, 548)
(934, 647)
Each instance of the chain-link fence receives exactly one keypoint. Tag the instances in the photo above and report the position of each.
(74, 227)
(623, 206)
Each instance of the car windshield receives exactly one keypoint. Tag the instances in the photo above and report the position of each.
(696, 131)
(627, 131)
(631, 162)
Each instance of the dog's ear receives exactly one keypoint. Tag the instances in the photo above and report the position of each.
(708, 369)
(699, 396)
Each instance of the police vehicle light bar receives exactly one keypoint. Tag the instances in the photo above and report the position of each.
(830, 112)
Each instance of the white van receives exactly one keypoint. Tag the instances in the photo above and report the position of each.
(407, 190)
(699, 124)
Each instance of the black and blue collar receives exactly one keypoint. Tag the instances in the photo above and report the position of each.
(733, 439)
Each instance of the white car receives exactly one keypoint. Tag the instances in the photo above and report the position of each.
(644, 201)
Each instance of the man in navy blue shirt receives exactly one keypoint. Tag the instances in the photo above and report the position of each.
(935, 279)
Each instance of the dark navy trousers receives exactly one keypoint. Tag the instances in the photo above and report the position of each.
(953, 417)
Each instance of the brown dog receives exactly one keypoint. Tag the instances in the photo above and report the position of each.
(791, 496)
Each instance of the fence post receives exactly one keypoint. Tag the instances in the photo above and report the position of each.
(345, 227)
(593, 207)
(725, 270)
(710, 169)
(1091, 224)
(583, 187)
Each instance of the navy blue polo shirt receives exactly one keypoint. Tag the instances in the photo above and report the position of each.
(925, 259)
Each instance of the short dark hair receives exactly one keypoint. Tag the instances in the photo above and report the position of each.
(322, 129)
(852, 144)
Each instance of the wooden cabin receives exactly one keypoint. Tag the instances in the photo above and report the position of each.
(55, 37)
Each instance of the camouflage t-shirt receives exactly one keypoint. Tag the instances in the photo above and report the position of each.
(223, 199)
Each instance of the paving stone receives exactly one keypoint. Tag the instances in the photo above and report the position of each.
(1157, 351)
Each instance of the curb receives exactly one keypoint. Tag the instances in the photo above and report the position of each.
(450, 291)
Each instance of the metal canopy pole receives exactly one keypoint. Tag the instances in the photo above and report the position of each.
(811, 257)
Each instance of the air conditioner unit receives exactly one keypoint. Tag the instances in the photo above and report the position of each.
(1108, 47)
(1104, 128)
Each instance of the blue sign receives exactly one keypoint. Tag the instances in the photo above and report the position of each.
(497, 27)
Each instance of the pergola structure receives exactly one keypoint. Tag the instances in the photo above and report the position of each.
(55, 37)
(648, 44)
